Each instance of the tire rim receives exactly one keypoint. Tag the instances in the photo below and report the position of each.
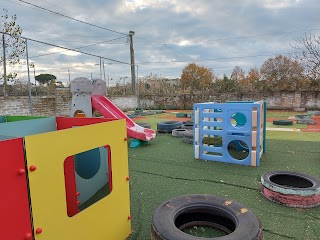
(205, 216)
(294, 181)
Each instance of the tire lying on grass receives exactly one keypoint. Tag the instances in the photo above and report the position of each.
(188, 137)
(168, 126)
(283, 122)
(178, 132)
(173, 218)
(291, 189)
(187, 125)
(181, 115)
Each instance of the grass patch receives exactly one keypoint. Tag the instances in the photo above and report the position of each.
(283, 114)
(294, 136)
(294, 125)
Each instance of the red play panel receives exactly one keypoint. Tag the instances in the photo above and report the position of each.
(69, 122)
(14, 201)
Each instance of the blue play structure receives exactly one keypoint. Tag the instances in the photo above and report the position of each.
(232, 132)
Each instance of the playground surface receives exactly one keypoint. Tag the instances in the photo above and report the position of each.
(166, 168)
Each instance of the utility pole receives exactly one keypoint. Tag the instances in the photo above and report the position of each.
(69, 75)
(133, 70)
(29, 84)
(138, 88)
(4, 67)
(33, 65)
(104, 76)
(100, 68)
(34, 74)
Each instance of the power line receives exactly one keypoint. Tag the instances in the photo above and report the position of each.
(68, 35)
(69, 49)
(22, 5)
(166, 45)
(226, 39)
(46, 54)
(220, 58)
(238, 57)
(58, 6)
(68, 41)
(74, 19)
(234, 38)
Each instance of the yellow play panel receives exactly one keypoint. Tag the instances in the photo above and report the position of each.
(105, 219)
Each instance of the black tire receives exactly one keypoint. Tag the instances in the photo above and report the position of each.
(168, 126)
(143, 124)
(138, 110)
(187, 125)
(173, 216)
(178, 132)
(181, 115)
(131, 115)
(283, 122)
(291, 189)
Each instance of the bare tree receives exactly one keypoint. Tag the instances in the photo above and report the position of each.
(308, 53)
(14, 46)
(237, 74)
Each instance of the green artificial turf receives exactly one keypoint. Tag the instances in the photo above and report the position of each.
(282, 114)
(166, 168)
(294, 125)
(294, 136)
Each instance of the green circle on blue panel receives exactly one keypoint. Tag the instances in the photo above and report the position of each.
(240, 119)
(87, 164)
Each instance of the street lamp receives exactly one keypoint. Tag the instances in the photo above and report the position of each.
(33, 65)
(138, 88)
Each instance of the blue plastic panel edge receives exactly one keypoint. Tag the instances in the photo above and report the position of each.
(28, 127)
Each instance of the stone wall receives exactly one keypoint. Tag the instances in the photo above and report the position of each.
(280, 100)
(59, 103)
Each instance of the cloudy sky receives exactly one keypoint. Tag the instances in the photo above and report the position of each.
(169, 34)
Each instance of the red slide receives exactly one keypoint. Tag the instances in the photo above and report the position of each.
(104, 106)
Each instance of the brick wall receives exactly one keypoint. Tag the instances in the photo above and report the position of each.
(55, 105)
(59, 103)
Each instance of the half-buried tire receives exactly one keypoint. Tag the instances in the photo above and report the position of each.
(283, 122)
(292, 189)
(188, 137)
(172, 219)
(178, 132)
(168, 126)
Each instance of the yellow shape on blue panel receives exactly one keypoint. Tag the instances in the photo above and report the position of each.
(105, 219)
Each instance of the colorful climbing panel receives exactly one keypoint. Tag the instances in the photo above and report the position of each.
(42, 195)
(231, 132)
(46, 154)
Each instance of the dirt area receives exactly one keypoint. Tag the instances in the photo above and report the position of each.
(314, 127)
(138, 118)
(177, 111)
